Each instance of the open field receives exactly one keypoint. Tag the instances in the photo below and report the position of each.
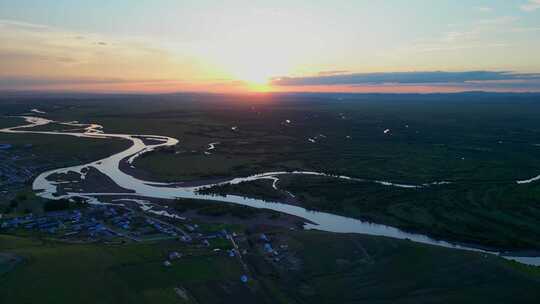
(54, 273)
(475, 137)
(467, 139)
(328, 269)
(352, 269)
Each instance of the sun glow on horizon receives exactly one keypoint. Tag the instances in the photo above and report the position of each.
(256, 80)
(260, 87)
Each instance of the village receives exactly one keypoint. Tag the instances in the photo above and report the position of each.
(118, 225)
(17, 167)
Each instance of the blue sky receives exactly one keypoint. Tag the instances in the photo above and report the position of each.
(168, 45)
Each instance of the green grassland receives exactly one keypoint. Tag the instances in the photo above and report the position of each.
(445, 140)
(362, 269)
(457, 137)
(331, 269)
(63, 273)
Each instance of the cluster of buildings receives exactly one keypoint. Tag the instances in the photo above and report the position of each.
(61, 223)
(164, 228)
(271, 251)
(92, 223)
(16, 169)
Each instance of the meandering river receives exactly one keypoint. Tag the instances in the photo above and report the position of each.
(110, 166)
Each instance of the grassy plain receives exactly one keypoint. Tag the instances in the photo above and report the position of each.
(362, 269)
(330, 269)
(96, 273)
(461, 137)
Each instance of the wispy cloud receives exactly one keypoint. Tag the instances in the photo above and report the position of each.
(334, 72)
(15, 82)
(531, 5)
(482, 34)
(34, 54)
(524, 29)
(86, 84)
(484, 9)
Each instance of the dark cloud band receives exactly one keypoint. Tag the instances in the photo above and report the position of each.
(420, 78)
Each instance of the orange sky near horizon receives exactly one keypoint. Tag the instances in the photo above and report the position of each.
(174, 87)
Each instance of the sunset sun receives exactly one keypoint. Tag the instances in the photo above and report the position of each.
(257, 82)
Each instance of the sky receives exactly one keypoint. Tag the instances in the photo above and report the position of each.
(263, 46)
